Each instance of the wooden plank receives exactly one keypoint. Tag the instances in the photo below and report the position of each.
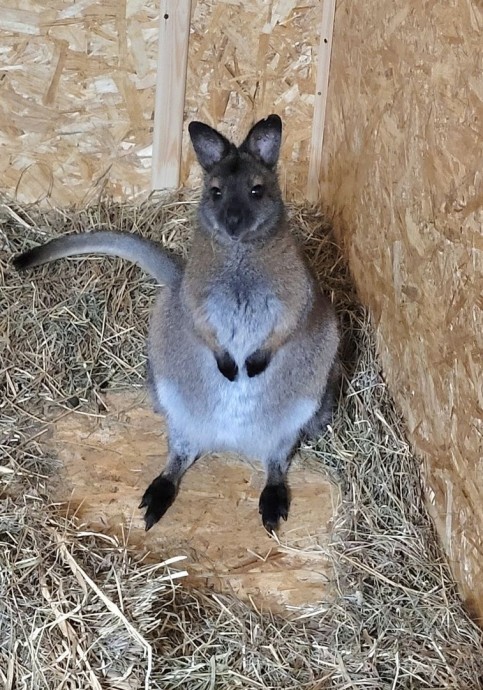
(322, 82)
(170, 92)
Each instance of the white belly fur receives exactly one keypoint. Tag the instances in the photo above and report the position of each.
(234, 417)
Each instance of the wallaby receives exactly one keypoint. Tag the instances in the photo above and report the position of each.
(242, 347)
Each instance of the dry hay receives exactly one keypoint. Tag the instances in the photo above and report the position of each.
(79, 609)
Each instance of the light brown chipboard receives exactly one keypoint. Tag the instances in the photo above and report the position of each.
(404, 175)
(78, 90)
(107, 462)
(76, 98)
(248, 59)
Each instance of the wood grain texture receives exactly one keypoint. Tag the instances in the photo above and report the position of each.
(108, 460)
(77, 93)
(174, 29)
(79, 81)
(250, 58)
(321, 86)
(403, 172)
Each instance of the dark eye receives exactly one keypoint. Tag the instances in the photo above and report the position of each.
(258, 190)
(215, 192)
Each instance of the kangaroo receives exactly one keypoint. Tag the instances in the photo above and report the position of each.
(242, 345)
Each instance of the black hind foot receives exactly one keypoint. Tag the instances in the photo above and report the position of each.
(157, 498)
(274, 504)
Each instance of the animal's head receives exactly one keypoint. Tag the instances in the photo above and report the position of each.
(241, 195)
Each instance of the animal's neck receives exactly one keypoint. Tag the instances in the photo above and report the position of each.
(232, 252)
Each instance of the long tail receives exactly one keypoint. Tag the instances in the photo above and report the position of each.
(149, 255)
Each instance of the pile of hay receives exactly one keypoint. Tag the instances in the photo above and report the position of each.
(81, 610)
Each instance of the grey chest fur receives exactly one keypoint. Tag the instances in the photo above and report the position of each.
(242, 311)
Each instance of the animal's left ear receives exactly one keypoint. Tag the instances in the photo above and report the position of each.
(263, 141)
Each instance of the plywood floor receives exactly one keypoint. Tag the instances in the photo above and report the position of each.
(108, 460)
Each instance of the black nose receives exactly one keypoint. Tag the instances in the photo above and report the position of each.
(234, 218)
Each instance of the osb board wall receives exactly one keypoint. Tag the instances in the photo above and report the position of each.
(247, 59)
(76, 97)
(78, 80)
(404, 173)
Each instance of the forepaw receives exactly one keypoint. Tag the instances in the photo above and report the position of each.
(257, 362)
(157, 498)
(227, 365)
(274, 504)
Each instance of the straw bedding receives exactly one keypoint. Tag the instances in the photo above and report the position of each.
(81, 610)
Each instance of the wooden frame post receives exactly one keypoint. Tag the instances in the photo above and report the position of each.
(322, 82)
(174, 27)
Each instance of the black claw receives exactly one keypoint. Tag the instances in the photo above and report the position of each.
(157, 498)
(149, 521)
(22, 261)
(227, 366)
(274, 504)
(257, 362)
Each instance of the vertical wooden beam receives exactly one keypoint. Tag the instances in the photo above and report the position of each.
(174, 29)
(322, 82)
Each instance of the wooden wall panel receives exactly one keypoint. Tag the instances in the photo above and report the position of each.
(78, 86)
(404, 175)
(76, 98)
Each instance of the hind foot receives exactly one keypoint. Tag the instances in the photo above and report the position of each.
(274, 504)
(157, 498)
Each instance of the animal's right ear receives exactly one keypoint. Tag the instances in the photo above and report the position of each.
(210, 146)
